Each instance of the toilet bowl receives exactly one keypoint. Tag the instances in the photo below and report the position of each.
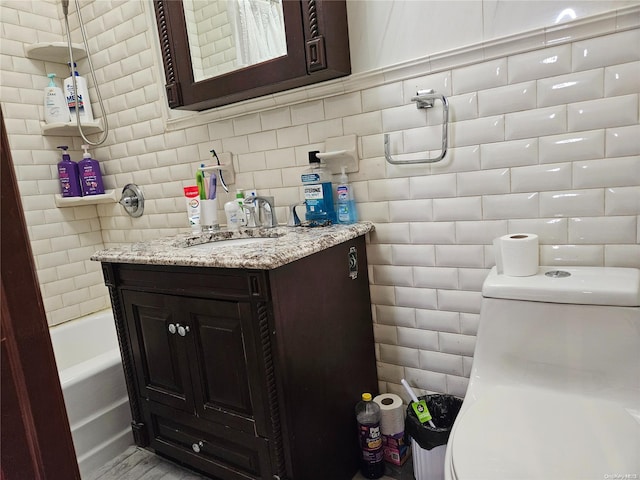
(554, 390)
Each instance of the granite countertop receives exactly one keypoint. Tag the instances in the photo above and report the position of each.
(280, 245)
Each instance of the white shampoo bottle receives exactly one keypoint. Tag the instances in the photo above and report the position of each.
(55, 106)
(79, 103)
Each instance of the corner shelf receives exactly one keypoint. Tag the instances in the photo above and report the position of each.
(70, 129)
(57, 52)
(109, 196)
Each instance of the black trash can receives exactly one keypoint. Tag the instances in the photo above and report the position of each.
(429, 444)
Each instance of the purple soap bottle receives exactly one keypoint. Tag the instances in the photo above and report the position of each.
(68, 174)
(90, 175)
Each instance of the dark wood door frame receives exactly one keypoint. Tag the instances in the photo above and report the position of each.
(35, 434)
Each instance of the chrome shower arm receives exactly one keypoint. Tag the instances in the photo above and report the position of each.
(65, 9)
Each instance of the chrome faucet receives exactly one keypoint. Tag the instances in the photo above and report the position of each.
(270, 210)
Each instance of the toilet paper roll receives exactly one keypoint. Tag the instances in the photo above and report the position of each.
(517, 254)
(392, 410)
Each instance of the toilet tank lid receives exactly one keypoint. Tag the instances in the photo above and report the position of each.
(585, 286)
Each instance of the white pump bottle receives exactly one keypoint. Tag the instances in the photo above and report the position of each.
(55, 106)
(83, 107)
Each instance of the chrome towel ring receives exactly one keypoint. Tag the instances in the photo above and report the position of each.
(424, 99)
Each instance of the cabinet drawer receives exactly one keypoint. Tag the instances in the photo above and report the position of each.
(192, 281)
(226, 453)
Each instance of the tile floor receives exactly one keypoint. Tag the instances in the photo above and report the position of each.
(139, 464)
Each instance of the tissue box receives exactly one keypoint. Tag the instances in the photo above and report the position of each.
(395, 450)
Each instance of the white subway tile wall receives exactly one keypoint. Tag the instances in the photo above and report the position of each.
(543, 141)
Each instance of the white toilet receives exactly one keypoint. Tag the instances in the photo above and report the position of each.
(554, 391)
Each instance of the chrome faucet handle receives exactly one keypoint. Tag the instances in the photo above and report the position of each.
(251, 215)
(267, 212)
(269, 209)
(294, 219)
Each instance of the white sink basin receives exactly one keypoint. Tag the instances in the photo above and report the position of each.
(226, 243)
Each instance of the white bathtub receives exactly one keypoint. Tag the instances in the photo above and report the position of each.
(93, 385)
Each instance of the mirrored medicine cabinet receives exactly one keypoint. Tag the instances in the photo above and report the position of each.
(218, 52)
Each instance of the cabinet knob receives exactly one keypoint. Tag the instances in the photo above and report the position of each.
(196, 447)
(172, 328)
(182, 331)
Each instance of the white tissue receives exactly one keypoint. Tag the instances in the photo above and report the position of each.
(517, 254)
(392, 413)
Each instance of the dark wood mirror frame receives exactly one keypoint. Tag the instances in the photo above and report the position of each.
(318, 50)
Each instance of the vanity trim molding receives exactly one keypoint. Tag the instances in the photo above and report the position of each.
(265, 341)
(138, 428)
(174, 96)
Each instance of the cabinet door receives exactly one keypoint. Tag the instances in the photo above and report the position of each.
(223, 361)
(197, 355)
(159, 353)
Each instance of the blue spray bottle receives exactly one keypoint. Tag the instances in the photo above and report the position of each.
(346, 202)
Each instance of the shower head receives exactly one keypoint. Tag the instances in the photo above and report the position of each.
(65, 7)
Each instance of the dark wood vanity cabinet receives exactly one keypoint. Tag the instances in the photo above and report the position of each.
(249, 374)
(198, 356)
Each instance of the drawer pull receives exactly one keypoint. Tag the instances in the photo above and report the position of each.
(172, 329)
(182, 331)
(196, 447)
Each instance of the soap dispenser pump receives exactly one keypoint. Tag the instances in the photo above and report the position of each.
(68, 174)
(90, 175)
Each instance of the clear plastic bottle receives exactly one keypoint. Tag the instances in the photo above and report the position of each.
(346, 202)
(242, 217)
(370, 436)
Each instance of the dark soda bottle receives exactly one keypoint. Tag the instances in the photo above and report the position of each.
(370, 436)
